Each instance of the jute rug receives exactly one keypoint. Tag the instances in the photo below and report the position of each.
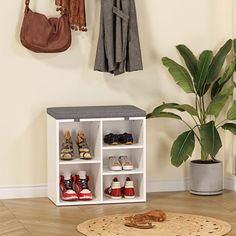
(176, 224)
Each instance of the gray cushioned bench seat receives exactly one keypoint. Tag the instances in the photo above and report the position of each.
(95, 112)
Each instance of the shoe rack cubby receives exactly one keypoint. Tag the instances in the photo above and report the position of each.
(96, 122)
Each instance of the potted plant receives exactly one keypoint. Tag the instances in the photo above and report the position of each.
(205, 79)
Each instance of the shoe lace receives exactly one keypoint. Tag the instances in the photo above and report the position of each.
(84, 183)
(68, 184)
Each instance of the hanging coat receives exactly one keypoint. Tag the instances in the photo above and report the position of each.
(118, 44)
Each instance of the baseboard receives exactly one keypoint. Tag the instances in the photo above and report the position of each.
(32, 191)
(167, 186)
(230, 183)
(182, 185)
(23, 191)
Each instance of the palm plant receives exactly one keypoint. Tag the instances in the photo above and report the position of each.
(205, 78)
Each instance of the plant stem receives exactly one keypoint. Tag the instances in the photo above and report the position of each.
(204, 111)
(203, 155)
(195, 121)
(200, 110)
(197, 108)
(193, 129)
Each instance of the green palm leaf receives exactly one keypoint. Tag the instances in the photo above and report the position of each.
(210, 138)
(230, 127)
(234, 45)
(204, 63)
(228, 91)
(164, 106)
(216, 105)
(216, 88)
(163, 115)
(182, 148)
(229, 72)
(185, 107)
(180, 74)
(218, 61)
(189, 59)
(219, 101)
(182, 108)
(231, 114)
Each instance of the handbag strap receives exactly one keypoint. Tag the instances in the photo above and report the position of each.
(27, 2)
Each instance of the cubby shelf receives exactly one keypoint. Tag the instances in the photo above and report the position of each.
(78, 203)
(79, 161)
(96, 122)
(122, 172)
(122, 146)
(107, 200)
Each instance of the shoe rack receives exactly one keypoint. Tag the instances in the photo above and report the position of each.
(96, 122)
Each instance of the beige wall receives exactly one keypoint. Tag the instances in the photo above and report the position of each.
(32, 82)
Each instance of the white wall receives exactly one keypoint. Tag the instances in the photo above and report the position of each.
(32, 82)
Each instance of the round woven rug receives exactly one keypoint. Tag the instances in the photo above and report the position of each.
(176, 224)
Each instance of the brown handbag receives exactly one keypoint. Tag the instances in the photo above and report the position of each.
(42, 34)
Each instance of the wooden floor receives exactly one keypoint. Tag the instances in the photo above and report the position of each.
(40, 217)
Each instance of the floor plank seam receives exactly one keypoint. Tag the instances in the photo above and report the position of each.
(18, 220)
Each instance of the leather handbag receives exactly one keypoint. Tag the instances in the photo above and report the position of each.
(42, 34)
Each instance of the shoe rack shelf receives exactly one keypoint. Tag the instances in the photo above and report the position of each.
(96, 122)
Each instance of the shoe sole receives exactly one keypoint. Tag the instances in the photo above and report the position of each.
(114, 143)
(128, 168)
(129, 143)
(115, 198)
(85, 198)
(70, 199)
(116, 168)
(129, 197)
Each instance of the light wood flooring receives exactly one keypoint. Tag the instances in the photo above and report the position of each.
(40, 217)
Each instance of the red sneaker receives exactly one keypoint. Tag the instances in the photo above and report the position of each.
(128, 189)
(114, 191)
(81, 186)
(67, 189)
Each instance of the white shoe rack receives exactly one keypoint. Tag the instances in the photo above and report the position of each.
(97, 168)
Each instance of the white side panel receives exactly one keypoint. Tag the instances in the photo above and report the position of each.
(53, 155)
(144, 159)
(102, 156)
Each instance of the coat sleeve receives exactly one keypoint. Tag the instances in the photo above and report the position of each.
(101, 60)
(134, 56)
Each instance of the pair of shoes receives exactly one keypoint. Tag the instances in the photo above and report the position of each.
(114, 139)
(144, 220)
(125, 138)
(67, 152)
(115, 191)
(120, 163)
(75, 188)
(84, 152)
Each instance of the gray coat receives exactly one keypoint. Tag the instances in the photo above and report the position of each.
(118, 44)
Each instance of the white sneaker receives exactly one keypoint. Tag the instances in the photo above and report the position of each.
(126, 163)
(114, 163)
